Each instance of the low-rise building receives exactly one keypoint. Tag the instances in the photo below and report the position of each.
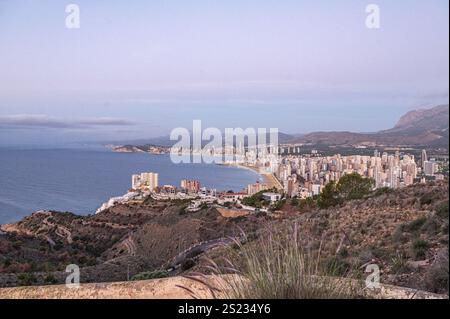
(272, 197)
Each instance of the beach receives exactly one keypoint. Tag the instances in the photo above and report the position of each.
(268, 178)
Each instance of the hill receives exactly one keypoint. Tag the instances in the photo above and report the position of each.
(425, 127)
(404, 231)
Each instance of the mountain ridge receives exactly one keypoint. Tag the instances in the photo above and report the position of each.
(417, 127)
(426, 126)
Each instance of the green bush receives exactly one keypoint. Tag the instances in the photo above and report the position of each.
(415, 225)
(306, 203)
(294, 201)
(50, 279)
(256, 200)
(420, 248)
(278, 205)
(427, 199)
(442, 211)
(431, 226)
(26, 279)
(399, 264)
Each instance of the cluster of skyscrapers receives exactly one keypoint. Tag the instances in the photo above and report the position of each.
(305, 176)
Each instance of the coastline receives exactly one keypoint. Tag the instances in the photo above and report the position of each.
(98, 175)
(268, 178)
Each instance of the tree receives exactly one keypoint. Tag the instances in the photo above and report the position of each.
(329, 196)
(354, 186)
(351, 186)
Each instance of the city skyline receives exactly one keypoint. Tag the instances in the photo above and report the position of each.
(294, 65)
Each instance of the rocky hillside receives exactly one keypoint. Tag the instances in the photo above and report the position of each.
(404, 231)
(433, 119)
(110, 246)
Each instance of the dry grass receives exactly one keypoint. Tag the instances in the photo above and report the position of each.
(276, 266)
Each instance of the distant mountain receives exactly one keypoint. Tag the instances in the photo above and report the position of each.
(418, 127)
(435, 118)
(166, 142)
(424, 127)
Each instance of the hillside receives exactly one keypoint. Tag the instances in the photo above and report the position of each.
(130, 238)
(404, 231)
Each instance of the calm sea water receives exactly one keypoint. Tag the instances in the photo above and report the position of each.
(80, 180)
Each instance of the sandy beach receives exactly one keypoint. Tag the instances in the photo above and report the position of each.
(269, 178)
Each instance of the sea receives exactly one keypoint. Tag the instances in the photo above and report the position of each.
(79, 180)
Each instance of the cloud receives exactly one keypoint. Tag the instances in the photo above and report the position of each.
(27, 121)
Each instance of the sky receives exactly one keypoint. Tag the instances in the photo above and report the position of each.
(137, 69)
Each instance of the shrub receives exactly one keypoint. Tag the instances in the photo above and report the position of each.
(50, 279)
(256, 200)
(26, 279)
(415, 225)
(442, 210)
(419, 249)
(306, 204)
(182, 210)
(399, 264)
(436, 278)
(431, 226)
(278, 205)
(344, 252)
(426, 199)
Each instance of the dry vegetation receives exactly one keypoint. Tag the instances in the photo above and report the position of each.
(405, 232)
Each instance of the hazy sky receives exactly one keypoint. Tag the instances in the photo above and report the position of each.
(140, 68)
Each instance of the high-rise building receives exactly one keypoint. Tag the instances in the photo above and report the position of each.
(145, 181)
(424, 158)
(430, 168)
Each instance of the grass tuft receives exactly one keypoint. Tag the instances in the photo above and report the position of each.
(276, 266)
